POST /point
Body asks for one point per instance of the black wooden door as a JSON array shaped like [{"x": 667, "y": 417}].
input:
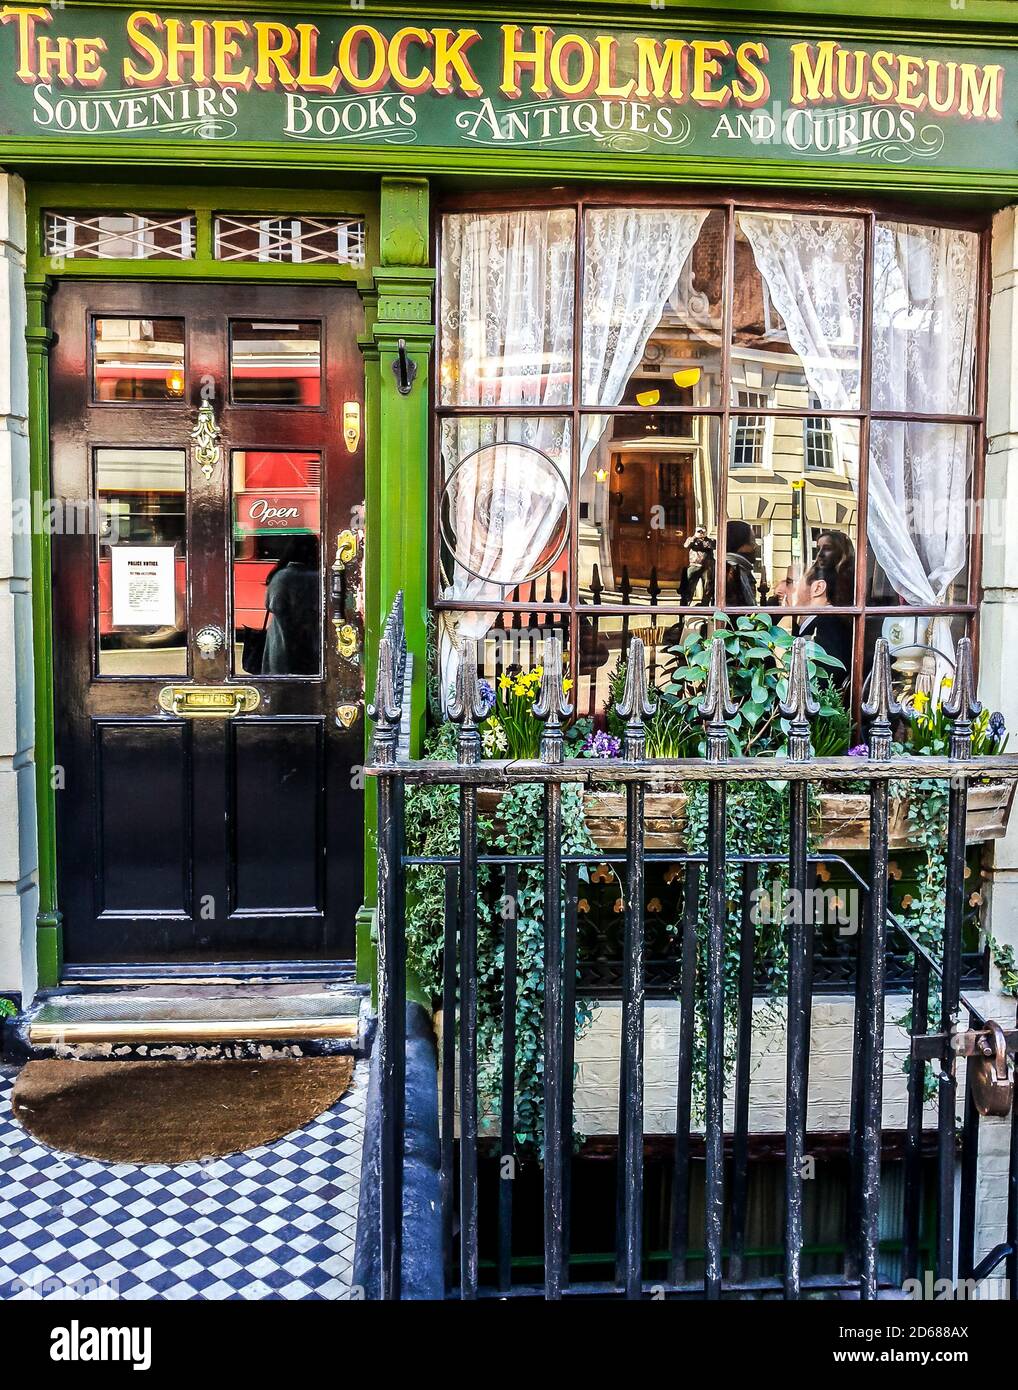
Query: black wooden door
[{"x": 206, "y": 458}]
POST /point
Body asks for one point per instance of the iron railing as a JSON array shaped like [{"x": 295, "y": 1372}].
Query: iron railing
[{"x": 725, "y": 1184}]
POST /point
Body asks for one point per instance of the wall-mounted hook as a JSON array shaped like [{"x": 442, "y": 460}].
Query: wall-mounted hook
[{"x": 404, "y": 369}]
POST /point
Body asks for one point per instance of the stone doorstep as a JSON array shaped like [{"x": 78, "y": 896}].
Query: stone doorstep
[{"x": 198, "y": 1021}]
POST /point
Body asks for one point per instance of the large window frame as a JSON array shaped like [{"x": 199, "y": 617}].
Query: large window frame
[{"x": 568, "y": 611}]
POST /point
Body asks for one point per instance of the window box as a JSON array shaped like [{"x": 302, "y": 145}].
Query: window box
[{"x": 844, "y": 817}]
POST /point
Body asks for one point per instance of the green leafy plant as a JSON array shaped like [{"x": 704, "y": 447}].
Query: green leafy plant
[{"x": 758, "y": 651}]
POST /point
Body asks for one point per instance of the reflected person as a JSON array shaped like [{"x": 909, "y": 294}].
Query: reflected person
[{"x": 293, "y": 637}]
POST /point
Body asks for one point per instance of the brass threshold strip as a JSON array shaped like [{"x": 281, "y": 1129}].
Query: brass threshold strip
[{"x": 189, "y": 1031}]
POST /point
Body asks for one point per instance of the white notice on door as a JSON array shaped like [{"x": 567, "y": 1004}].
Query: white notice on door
[{"x": 143, "y": 586}]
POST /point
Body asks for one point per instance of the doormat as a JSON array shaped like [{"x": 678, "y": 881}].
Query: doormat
[{"x": 173, "y": 1112}]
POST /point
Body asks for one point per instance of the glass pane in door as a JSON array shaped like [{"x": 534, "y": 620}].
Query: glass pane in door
[
  {"x": 142, "y": 562},
  {"x": 277, "y": 563}
]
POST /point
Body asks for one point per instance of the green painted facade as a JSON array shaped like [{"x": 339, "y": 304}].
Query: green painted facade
[{"x": 394, "y": 188}]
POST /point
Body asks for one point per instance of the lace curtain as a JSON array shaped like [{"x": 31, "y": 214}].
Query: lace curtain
[
  {"x": 924, "y": 305},
  {"x": 813, "y": 269},
  {"x": 924, "y": 316},
  {"x": 507, "y": 336}
]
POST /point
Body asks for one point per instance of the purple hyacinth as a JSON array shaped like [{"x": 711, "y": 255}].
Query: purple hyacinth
[
  {"x": 601, "y": 745},
  {"x": 860, "y": 750},
  {"x": 997, "y": 726},
  {"x": 487, "y": 695}
]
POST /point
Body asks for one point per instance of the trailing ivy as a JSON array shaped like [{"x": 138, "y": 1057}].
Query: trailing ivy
[{"x": 432, "y": 828}]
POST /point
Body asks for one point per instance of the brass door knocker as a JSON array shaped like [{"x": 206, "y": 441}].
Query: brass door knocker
[{"x": 206, "y": 435}]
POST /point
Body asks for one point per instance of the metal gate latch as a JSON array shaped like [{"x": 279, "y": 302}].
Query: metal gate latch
[{"x": 990, "y": 1078}]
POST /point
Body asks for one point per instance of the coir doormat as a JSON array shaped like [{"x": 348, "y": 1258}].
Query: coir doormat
[{"x": 173, "y": 1112}]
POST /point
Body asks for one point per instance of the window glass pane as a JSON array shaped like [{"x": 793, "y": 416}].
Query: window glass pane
[
  {"x": 793, "y": 488},
  {"x": 652, "y": 309},
  {"x": 142, "y": 580},
  {"x": 504, "y": 508},
  {"x": 276, "y": 363},
  {"x": 924, "y": 318},
  {"x": 291, "y": 240},
  {"x": 126, "y": 236},
  {"x": 603, "y": 643},
  {"x": 277, "y": 569},
  {"x": 918, "y": 512},
  {"x": 138, "y": 360},
  {"x": 648, "y": 509},
  {"x": 797, "y": 311},
  {"x": 508, "y": 286},
  {"x": 507, "y": 644},
  {"x": 922, "y": 646}
]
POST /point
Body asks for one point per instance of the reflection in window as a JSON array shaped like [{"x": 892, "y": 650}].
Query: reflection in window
[
  {"x": 790, "y": 513},
  {"x": 648, "y": 511},
  {"x": 749, "y": 432},
  {"x": 277, "y": 587},
  {"x": 142, "y": 558},
  {"x": 818, "y": 440},
  {"x": 276, "y": 363},
  {"x": 138, "y": 360}
]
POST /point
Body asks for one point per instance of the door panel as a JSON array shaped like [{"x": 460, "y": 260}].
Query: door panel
[
  {"x": 144, "y": 843},
  {"x": 277, "y": 762},
  {"x": 219, "y": 837}
]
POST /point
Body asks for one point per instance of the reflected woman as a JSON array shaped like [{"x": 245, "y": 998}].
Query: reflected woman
[{"x": 293, "y": 637}]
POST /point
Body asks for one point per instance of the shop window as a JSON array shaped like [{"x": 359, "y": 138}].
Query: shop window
[
  {"x": 680, "y": 426},
  {"x": 138, "y": 360},
  {"x": 115, "y": 236},
  {"x": 290, "y": 240},
  {"x": 275, "y": 363}
]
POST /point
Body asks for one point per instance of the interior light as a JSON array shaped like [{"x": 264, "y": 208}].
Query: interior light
[
  {"x": 689, "y": 377},
  {"x": 601, "y": 474},
  {"x": 648, "y": 397},
  {"x": 175, "y": 383}
]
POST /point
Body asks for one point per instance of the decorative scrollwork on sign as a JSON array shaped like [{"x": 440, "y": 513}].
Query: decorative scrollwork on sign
[{"x": 206, "y": 434}]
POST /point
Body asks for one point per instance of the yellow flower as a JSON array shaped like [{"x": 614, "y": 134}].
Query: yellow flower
[
  {"x": 920, "y": 700},
  {"x": 519, "y": 688},
  {"x": 567, "y": 684},
  {"x": 504, "y": 682}
]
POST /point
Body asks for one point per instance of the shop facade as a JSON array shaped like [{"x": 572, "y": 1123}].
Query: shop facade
[{"x": 595, "y": 324}]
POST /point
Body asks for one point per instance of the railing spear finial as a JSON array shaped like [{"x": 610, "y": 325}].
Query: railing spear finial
[
  {"x": 636, "y": 704},
  {"x": 551, "y": 704},
  {"x": 800, "y": 706},
  {"x": 961, "y": 706},
  {"x": 717, "y": 705},
  {"x": 467, "y": 705},
  {"x": 881, "y": 707},
  {"x": 387, "y": 709}
]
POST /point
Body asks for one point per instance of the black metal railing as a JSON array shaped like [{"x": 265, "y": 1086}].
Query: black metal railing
[{"x": 725, "y": 1151}]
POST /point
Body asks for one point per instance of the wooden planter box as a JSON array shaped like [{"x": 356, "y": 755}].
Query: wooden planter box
[{"x": 845, "y": 817}]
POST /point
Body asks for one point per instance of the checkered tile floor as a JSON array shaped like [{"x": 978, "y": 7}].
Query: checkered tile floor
[{"x": 276, "y": 1222}]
